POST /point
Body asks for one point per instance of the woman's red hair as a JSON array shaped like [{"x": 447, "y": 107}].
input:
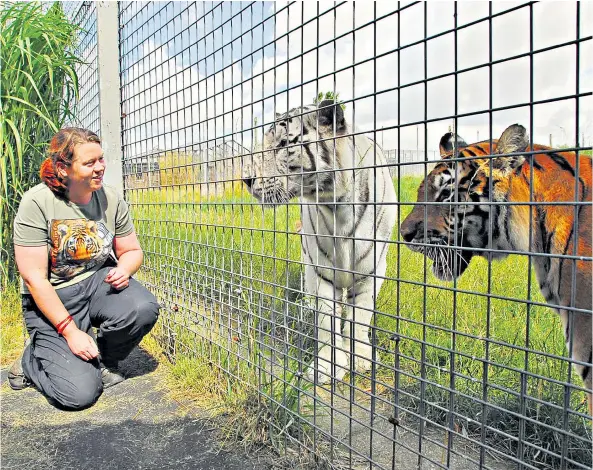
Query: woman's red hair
[{"x": 61, "y": 149}]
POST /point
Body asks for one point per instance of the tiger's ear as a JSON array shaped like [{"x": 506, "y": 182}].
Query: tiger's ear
[
  {"x": 449, "y": 141},
  {"x": 326, "y": 111},
  {"x": 513, "y": 140},
  {"x": 91, "y": 226}
]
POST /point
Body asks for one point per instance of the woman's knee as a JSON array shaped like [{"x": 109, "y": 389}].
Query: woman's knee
[
  {"x": 147, "y": 314},
  {"x": 77, "y": 393}
]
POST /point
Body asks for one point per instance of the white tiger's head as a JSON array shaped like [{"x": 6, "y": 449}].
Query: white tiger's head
[{"x": 298, "y": 154}]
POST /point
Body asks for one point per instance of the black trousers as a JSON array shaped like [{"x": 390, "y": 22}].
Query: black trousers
[{"x": 123, "y": 318}]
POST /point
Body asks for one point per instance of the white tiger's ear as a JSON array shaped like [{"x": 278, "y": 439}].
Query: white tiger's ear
[
  {"x": 326, "y": 111},
  {"x": 513, "y": 140},
  {"x": 450, "y": 141}
]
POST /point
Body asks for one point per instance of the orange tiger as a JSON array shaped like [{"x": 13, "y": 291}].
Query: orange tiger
[{"x": 449, "y": 233}]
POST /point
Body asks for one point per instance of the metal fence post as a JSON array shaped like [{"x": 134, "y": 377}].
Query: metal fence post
[{"x": 109, "y": 90}]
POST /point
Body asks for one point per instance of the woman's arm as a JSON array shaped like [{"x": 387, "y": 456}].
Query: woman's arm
[
  {"x": 32, "y": 265},
  {"x": 129, "y": 259}
]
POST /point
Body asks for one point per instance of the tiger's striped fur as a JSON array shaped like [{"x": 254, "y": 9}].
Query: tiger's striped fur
[
  {"x": 309, "y": 153},
  {"x": 554, "y": 230}
]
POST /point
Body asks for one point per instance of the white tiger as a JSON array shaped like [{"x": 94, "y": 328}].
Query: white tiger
[{"x": 343, "y": 230}]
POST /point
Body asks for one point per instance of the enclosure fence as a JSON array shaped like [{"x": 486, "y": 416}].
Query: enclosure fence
[
  {"x": 472, "y": 371},
  {"x": 86, "y": 107}
]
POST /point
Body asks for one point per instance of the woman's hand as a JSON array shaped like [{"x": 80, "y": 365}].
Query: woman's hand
[
  {"x": 118, "y": 277},
  {"x": 81, "y": 344},
  {"x": 33, "y": 267}
]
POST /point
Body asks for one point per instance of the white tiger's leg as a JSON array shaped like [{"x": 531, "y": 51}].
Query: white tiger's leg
[
  {"x": 329, "y": 339},
  {"x": 362, "y": 296}
]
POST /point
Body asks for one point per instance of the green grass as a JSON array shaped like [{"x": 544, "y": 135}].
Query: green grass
[
  {"x": 224, "y": 263},
  {"x": 211, "y": 247},
  {"x": 12, "y": 334}
]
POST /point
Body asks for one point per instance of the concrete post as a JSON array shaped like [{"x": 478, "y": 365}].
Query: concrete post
[{"x": 109, "y": 90}]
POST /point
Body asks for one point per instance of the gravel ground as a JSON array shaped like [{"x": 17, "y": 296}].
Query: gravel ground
[{"x": 134, "y": 425}]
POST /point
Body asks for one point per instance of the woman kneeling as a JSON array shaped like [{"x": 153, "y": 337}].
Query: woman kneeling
[{"x": 76, "y": 250}]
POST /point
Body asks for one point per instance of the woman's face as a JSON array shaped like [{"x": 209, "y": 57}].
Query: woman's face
[{"x": 87, "y": 169}]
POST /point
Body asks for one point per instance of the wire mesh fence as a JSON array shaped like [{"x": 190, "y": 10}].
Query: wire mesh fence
[
  {"x": 86, "y": 107},
  {"x": 273, "y": 154}
]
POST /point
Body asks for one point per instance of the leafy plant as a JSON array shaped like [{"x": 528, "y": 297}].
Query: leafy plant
[
  {"x": 328, "y": 95},
  {"x": 38, "y": 81}
]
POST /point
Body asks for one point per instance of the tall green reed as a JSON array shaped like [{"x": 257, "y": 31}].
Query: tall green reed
[{"x": 38, "y": 84}]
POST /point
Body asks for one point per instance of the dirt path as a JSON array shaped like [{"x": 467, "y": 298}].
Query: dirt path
[{"x": 133, "y": 426}]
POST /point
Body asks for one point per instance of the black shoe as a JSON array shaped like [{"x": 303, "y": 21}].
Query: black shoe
[
  {"x": 111, "y": 377},
  {"x": 16, "y": 376}
]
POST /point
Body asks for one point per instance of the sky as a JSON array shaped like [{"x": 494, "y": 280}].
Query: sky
[{"x": 199, "y": 72}]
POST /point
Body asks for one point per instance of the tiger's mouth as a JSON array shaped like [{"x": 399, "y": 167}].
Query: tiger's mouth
[
  {"x": 447, "y": 263},
  {"x": 272, "y": 198}
]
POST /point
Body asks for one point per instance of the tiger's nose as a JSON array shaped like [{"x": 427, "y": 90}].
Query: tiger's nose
[{"x": 409, "y": 228}]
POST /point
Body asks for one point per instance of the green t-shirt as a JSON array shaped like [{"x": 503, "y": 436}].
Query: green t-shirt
[{"x": 79, "y": 236}]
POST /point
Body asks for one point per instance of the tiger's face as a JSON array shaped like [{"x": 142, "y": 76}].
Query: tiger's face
[
  {"x": 457, "y": 217},
  {"x": 295, "y": 160},
  {"x": 433, "y": 228},
  {"x": 77, "y": 241},
  {"x": 78, "y": 245}
]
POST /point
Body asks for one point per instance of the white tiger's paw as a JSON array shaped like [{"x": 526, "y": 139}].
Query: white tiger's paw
[
  {"x": 363, "y": 357},
  {"x": 324, "y": 366}
]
